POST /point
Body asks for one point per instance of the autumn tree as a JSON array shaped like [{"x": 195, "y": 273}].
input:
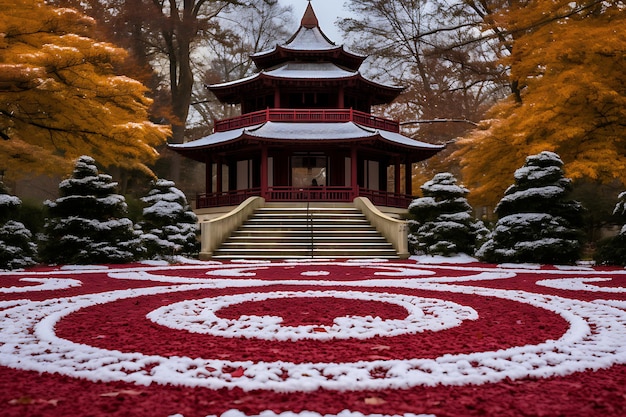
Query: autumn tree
[
  {"x": 246, "y": 30},
  {"x": 437, "y": 51},
  {"x": 60, "y": 98},
  {"x": 168, "y": 35},
  {"x": 434, "y": 49},
  {"x": 567, "y": 59}
]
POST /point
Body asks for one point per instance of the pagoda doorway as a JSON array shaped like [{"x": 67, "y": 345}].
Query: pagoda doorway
[{"x": 309, "y": 170}]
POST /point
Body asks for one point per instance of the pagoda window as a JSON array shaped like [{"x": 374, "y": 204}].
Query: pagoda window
[
  {"x": 309, "y": 100},
  {"x": 258, "y": 103},
  {"x": 309, "y": 169},
  {"x": 244, "y": 174},
  {"x": 357, "y": 103},
  {"x": 371, "y": 174}
]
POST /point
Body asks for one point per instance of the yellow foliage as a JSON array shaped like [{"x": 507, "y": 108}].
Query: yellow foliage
[
  {"x": 60, "y": 97},
  {"x": 571, "y": 70}
]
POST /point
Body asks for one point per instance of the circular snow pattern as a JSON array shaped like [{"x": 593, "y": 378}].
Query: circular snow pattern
[
  {"x": 580, "y": 284},
  {"x": 200, "y": 316},
  {"x": 595, "y": 339},
  {"x": 345, "y": 413},
  {"x": 315, "y": 273},
  {"x": 44, "y": 284}
]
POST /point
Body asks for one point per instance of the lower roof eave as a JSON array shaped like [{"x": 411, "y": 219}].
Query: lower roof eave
[{"x": 308, "y": 134}]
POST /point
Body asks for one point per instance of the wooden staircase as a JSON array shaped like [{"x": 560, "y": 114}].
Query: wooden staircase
[{"x": 301, "y": 231}]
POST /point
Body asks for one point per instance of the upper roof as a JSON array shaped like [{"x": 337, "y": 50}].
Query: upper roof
[
  {"x": 331, "y": 74},
  {"x": 307, "y": 43},
  {"x": 307, "y": 56}
]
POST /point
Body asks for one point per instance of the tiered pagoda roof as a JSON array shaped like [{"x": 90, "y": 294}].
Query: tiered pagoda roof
[
  {"x": 308, "y": 61},
  {"x": 309, "y": 42},
  {"x": 307, "y": 56}
]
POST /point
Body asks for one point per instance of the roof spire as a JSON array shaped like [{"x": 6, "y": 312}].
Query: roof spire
[{"x": 309, "y": 20}]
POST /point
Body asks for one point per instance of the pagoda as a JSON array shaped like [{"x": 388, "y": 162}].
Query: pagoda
[{"x": 306, "y": 131}]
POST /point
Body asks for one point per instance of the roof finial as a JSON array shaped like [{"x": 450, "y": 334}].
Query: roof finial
[{"x": 309, "y": 20}]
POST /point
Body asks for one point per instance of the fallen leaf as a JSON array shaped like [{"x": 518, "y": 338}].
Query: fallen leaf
[
  {"x": 28, "y": 401},
  {"x": 375, "y": 401},
  {"x": 238, "y": 373},
  {"x": 380, "y": 347},
  {"x": 378, "y": 358},
  {"x": 242, "y": 400},
  {"x": 319, "y": 330},
  {"x": 21, "y": 401},
  {"x": 129, "y": 392}
]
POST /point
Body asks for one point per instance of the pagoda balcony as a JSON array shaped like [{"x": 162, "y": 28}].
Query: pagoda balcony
[
  {"x": 298, "y": 194},
  {"x": 307, "y": 116}
]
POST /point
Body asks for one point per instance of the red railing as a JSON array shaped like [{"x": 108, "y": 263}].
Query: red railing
[
  {"x": 286, "y": 193},
  {"x": 386, "y": 199},
  {"x": 307, "y": 116},
  {"x": 322, "y": 193},
  {"x": 227, "y": 198}
]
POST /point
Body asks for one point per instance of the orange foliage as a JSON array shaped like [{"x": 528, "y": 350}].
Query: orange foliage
[
  {"x": 569, "y": 61},
  {"x": 60, "y": 98}
]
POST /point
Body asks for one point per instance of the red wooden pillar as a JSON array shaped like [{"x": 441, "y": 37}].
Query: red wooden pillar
[
  {"x": 276, "y": 98},
  {"x": 408, "y": 178},
  {"x": 341, "y": 100},
  {"x": 264, "y": 164},
  {"x": 354, "y": 172}
]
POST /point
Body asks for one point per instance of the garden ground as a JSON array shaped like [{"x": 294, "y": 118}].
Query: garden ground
[{"x": 422, "y": 337}]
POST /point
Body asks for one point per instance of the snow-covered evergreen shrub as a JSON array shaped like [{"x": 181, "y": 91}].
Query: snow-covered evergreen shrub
[
  {"x": 612, "y": 251},
  {"x": 169, "y": 225},
  {"x": 441, "y": 222},
  {"x": 17, "y": 249},
  {"x": 88, "y": 223},
  {"x": 536, "y": 222}
]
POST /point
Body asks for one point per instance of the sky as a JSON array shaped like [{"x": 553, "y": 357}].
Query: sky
[{"x": 327, "y": 12}]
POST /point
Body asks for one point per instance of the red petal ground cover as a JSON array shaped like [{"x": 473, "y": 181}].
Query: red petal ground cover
[{"x": 122, "y": 325}]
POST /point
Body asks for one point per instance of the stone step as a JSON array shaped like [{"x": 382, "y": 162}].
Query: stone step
[
  {"x": 295, "y": 232},
  {"x": 304, "y": 253},
  {"x": 298, "y": 237},
  {"x": 316, "y": 245}
]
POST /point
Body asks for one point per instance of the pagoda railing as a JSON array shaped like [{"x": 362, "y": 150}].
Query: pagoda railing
[
  {"x": 386, "y": 199},
  {"x": 307, "y": 116},
  {"x": 322, "y": 193},
  {"x": 226, "y": 198},
  {"x": 296, "y": 194}
]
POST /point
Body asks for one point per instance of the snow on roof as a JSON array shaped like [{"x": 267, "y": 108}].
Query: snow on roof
[
  {"x": 403, "y": 140},
  {"x": 305, "y": 131},
  {"x": 310, "y": 131},
  {"x": 234, "y": 82},
  {"x": 307, "y": 39},
  {"x": 213, "y": 139},
  {"x": 297, "y": 70},
  {"x": 310, "y": 70}
]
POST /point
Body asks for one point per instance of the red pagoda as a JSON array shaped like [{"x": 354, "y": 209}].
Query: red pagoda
[
  {"x": 306, "y": 132},
  {"x": 306, "y": 119}
]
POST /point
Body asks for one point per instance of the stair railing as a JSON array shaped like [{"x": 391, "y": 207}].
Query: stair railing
[{"x": 309, "y": 219}]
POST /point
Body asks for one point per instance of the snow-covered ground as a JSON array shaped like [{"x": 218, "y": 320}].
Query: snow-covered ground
[{"x": 443, "y": 299}]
